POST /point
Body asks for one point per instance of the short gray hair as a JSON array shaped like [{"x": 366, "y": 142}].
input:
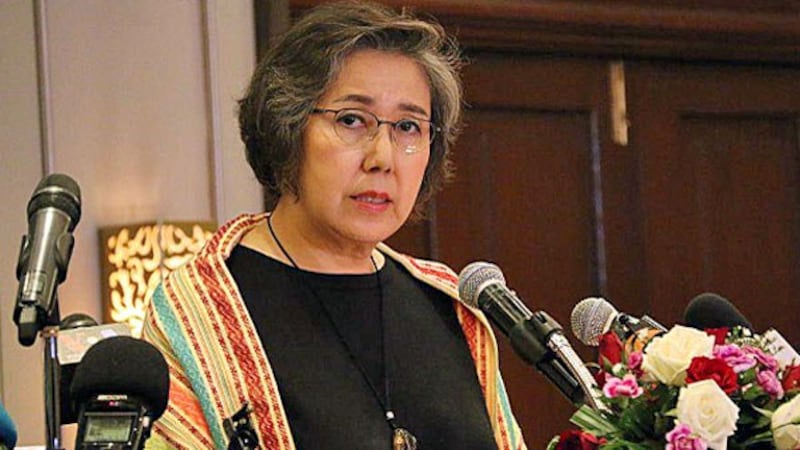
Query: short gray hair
[{"x": 301, "y": 64}]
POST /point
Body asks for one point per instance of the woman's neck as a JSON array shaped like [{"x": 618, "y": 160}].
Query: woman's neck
[{"x": 308, "y": 250}]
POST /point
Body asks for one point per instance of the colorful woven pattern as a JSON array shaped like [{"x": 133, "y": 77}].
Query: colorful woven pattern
[{"x": 198, "y": 319}]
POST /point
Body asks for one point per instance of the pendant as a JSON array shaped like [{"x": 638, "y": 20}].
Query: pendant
[{"x": 403, "y": 440}]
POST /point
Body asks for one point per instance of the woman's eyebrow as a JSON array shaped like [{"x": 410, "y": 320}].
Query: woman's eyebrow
[{"x": 369, "y": 101}]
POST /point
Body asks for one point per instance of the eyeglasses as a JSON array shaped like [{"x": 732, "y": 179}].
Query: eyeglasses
[{"x": 354, "y": 125}]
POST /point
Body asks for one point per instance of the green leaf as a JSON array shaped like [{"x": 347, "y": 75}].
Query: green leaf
[
  {"x": 747, "y": 377},
  {"x": 754, "y": 393},
  {"x": 637, "y": 422},
  {"x": 759, "y": 438},
  {"x": 764, "y": 412},
  {"x": 593, "y": 421},
  {"x": 763, "y": 422},
  {"x": 663, "y": 424},
  {"x": 622, "y": 444}
]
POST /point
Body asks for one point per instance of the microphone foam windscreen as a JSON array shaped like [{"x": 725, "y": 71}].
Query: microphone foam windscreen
[
  {"x": 473, "y": 276},
  {"x": 709, "y": 310},
  {"x": 123, "y": 365},
  {"x": 57, "y": 191},
  {"x": 590, "y": 319},
  {"x": 8, "y": 432}
]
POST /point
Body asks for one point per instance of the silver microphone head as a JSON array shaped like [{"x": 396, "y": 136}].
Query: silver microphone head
[
  {"x": 472, "y": 279},
  {"x": 57, "y": 191},
  {"x": 591, "y": 318}
]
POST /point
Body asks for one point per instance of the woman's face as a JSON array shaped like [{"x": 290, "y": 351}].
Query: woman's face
[{"x": 364, "y": 192}]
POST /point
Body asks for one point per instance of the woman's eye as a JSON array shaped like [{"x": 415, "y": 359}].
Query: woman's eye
[
  {"x": 351, "y": 120},
  {"x": 408, "y": 126}
]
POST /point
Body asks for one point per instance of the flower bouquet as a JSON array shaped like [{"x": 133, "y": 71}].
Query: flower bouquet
[{"x": 690, "y": 389}]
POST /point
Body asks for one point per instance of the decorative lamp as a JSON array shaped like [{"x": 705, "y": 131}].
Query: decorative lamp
[{"x": 134, "y": 259}]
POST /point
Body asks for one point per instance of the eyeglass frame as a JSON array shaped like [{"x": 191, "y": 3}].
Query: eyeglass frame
[{"x": 434, "y": 129}]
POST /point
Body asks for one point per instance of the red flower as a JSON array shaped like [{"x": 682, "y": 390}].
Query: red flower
[
  {"x": 719, "y": 334},
  {"x": 703, "y": 368},
  {"x": 610, "y": 348},
  {"x": 578, "y": 440},
  {"x": 791, "y": 378},
  {"x": 600, "y": 376}
]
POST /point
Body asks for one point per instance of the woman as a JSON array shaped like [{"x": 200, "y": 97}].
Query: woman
[{"x": 301, "y": 321}]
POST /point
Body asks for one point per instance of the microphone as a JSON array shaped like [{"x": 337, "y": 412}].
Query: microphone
[
  {"x": 71, "y": 322},
  {"x": 709, "y": 310},
  {"x": 120, "y": 388},
  {"x": 536, "y": 337},
  {"x": 593, "y": 317},
  {"x": 77, "y": 320},
  {"x": 53, "y": 212},
  {"x": 8, "y": 432}
]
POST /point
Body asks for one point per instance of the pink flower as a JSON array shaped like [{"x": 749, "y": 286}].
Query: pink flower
[
  {"x": 770, "y": 383},
  {"x": 625, "y": 387},
  {"x": 635, "y": 363},
  {"x": 768, "y": 361},
  {"x": 735, "y": 357},
  {"x": 680, "y": 438}
]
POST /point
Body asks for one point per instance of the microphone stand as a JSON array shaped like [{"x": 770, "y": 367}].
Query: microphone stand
[
  {"x": 30, "y": 322},
  {"x": 543, "y": 325},
  {"x": 43, "y": 316},
  {"x": 52, "y": 383}
]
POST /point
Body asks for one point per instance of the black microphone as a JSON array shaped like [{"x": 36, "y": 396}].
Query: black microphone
[
  {"x": 536, "y": 337},
  {"x": 709, "y": 310},
  {"x": 120, "y": 387},
  {"x": 70, "y": 322},
  {"x": 53, "y": 212},
  {"x": 592, "y": 317},
  {"x": 76, "y": 320}
]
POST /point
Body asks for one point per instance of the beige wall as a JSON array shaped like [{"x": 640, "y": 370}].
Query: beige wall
[{"x": 141, "y": 114}]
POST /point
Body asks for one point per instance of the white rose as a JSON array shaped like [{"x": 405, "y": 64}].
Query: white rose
[
  {"x": 668, "y": 356},
  {"x": 784, "y": 433},
  {"x": 710, "y": 413}
]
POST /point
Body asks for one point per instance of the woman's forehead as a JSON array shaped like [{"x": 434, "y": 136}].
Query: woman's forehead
[{"x": 380, "y": 79}]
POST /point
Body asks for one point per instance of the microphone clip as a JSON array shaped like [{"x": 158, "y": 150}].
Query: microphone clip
[{"x": 240, "y": 431}]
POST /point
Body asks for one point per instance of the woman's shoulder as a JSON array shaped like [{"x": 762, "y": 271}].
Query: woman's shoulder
[
  {"x": 433, "y": 272},
  {"x": 231, "y": 233},
  {"x": 217, "y": 248}
]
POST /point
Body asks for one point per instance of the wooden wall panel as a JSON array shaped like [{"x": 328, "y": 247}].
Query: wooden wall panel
[
  {"x": 747, "y": 203},
  {"x": 526, "y": 197},
  {"x": 523, "y": 200},
  {"x": 742, "y": 30},
  {"x": 525, "y": 188},
  {"x": 720, "y": 165}
]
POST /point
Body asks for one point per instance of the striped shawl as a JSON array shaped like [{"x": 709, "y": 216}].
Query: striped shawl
[{"x": 198, "y": 320}]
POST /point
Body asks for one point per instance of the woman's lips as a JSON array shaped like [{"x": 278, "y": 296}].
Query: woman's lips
[{"x": 372, "y": 200}]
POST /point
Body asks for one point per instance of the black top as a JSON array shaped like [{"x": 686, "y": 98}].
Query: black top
[{"x": 434, "y": 389}]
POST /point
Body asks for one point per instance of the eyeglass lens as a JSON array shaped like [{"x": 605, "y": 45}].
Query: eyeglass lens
[{"x": 354, "y": 125}]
